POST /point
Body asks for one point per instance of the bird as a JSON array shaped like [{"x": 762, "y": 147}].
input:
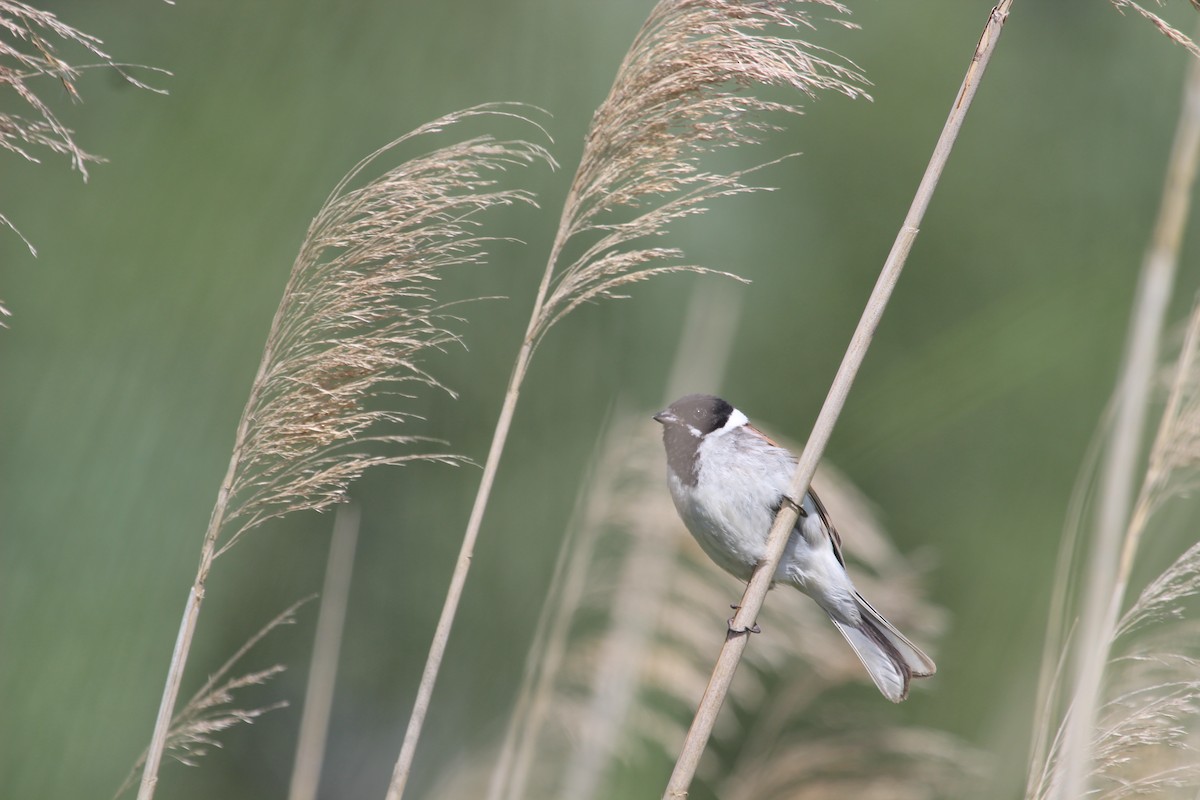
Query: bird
[{"x": 728, "y": 481}]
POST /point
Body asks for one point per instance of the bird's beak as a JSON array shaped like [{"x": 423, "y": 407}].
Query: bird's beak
[{"x": 664, "y": 417}]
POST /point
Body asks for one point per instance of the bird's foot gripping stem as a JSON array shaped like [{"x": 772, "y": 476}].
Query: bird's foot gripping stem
[{"x": 729, "y": 622}]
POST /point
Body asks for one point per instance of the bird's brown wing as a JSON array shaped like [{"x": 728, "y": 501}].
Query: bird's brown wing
[{"x": 834, "y": 537}]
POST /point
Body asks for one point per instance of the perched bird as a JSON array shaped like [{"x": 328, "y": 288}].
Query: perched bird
[{"x": 728, "y": 481}]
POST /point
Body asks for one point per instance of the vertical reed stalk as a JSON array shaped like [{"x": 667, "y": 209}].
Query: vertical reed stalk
[
  {"x": 642, "y": 588},
  {"x": 327, "y": 645},
  {"x": 756, "y": 590},
  {"x": 441, "y": 634},
  {"x": 700, "y": 360},
  {"x": 1116, "y": 539},
  {"x": 195, "y": 598}
]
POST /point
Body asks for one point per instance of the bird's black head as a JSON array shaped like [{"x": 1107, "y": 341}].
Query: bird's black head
[
  {"x": 685, "y": 424},
  {"x": 702, "y": 413}
]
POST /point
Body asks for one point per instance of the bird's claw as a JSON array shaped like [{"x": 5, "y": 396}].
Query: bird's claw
[
  {"x": 729, "y": 623},
  {"x": 752, "y": 629}
]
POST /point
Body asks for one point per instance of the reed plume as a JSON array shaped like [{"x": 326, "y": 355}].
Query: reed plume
[
  {"x": 357, "y": 315},
  {"x": 671, "y": 103},
  {"x": 210, "y": 710},
  {"x": 682, "y": 91},
  {"x": 1166, "y": 29},
  {"x": 29, "y": 40},
  {"x": 1145, "y": 740},
  {"x": 28, "y": 51}
]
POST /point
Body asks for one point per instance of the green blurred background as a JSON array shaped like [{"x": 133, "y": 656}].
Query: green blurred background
[{"x": 137, "y": 330}]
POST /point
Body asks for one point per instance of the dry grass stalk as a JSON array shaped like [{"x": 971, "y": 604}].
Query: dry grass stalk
[
  {"x": 631, "y": 472},
  {"x": 1117, "y": 533},
  {"x": 327, "y": 645},
  {"x": 357, "y": 315},
  {"x": 515, "y": 758},
  {"x": 703, "y": 353},
  {"x": 1054, "y": 641},
  {"x": 752, "y": 601},
  {"x": 193, "y": 730},
  {"x": 680, "y": 93}
]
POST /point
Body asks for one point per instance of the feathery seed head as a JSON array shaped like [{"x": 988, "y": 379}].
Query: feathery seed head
[
  {"x": 1174, "y": 34},
  {"x": 210, "y": 710},
  {"x": 683, "y": 90},
  {"x": 357, "y": 316},
  {"x": 28, "y": 38}
]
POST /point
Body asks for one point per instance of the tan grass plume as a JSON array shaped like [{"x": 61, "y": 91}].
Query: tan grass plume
[
  {"x": 357, "y": 316},
  {"x": 1166, "y": 29},
  {"x": 29, "y": 41},
  {"x": 193, "y": 731},
  {"x": 681, "y": 92}
]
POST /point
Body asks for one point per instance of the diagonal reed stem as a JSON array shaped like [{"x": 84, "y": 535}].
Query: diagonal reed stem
[
  {"x": 756, "y": 590},
  {"x": 647, "y": 571},
  {"x": 441, "y": 634},
  {"x": 191, "y": 610},
  {"x": 700, "y": 360}
]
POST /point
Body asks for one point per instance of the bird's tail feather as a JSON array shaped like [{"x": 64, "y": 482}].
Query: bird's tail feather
[{"x": 890, "y": 658}]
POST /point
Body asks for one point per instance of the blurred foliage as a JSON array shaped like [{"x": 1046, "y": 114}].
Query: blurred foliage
[{"x": 137, "y": 330}]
